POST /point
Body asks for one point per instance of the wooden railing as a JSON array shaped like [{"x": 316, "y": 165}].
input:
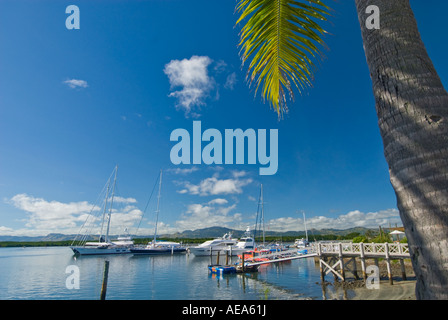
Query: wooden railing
[{"x": 387, "y": 250}]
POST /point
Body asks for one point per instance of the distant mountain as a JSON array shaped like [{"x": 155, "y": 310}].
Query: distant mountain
[
  {"x": 48, "y": 237},
  {"x": 211, "y": 232}
]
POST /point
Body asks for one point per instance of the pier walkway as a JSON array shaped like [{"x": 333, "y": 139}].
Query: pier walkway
[{"x": 279, "y": 256}]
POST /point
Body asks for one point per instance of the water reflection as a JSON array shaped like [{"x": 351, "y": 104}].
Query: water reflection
[{"x": 40, "y": 273}]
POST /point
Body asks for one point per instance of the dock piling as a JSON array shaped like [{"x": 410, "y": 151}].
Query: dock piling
[
  {"x": 105, "y": 276},
  {"x": 403, "y": 270},
  {"x": 389, "y": 269}
]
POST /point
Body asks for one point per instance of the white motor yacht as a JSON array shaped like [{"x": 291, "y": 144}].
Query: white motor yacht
[
  {"x": 301, "y": 243},
  {"x": 212, "y": 247},
  {"x": 246, "y": 243}
]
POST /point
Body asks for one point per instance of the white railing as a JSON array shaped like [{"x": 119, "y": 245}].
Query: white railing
[{"x": 363, "y": 249}]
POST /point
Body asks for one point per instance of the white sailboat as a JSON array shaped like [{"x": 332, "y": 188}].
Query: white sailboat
[
  {"x": 155, "y": 246},
  {"x": 302, "y": 243},
  {"x": 104, "y": 245}
]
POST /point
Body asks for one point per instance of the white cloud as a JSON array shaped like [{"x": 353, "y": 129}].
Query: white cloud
[
  {"x": 215, "y": 186},
  {"x": 6, "y": 231},
  {"x": 200, "y": 216},
  {"x": 238, "y": 174},
  {"x": 183, "y": 171},
  {"x": 220, "y": 66},
  {"x": 230, "y": 81},
  {"x": 118, "y": 199},
  {"x": 57, "y": 217},
  {"x": 50, "y": 215},
  {"x": 351, "y": 219},
  {"x": 162, "y": 228},
  {"x": 75, "y": 83},
  {"x": 218, "y": 201},
  {"x": 191, "y": 75}
]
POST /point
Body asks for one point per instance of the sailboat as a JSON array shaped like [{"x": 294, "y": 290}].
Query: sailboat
[
  {"x": 104, "y": 245},
  {"x": 158, "y": 247},
  {"x": 302, "y": 243},
  {"x": 261, "y": 248}
]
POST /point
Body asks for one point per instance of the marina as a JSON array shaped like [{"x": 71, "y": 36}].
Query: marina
[
  {"x": 43, "y": 272},
  {"x": 40, "y": 273}
]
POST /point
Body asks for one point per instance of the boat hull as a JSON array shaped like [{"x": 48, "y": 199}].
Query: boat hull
[
  {"x": 200, "y": 252},
  {"x": 155, "y": 251},
  {"x": 99, "y": 251},
  {"x": 218, "y": 269}
]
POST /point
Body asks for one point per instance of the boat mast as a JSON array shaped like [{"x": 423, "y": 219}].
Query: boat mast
[
  {"x": 105, "y": 209},
  {"x": 157, "y": 211},
  {"x": 262, "y": 212},
  {"x": 304, "y": 221},
  {"x": 111, "y": 203}
]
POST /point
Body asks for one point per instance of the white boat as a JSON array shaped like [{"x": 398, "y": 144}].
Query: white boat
[
  {"x": 158, "y": 247},
  {"x": 104, "y": 245},
  {"x": 302, "y": 243},
  {"x": 244, "y": 244},
  {"x": 212, "y": 247},
  {"x": 97, "y": 248}
]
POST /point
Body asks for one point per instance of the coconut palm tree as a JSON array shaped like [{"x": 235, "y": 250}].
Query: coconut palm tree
[{"x": 281, "y": 38}]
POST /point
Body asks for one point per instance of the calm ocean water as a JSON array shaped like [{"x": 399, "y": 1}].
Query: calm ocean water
[{"x": 40, "y": 273}]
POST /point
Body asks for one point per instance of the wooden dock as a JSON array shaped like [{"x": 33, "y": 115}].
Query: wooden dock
[
  {"x": 337, "y": 257},
  {"x": 333, "y": 257}
]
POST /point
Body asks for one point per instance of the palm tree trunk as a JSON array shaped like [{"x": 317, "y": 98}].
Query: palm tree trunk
[{"x": 412, "y": 109}]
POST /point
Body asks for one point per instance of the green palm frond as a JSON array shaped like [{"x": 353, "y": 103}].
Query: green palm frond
[{"x": 281, "y": 38}]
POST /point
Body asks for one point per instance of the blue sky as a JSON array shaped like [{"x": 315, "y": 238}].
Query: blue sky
[{"x": 75, "y": 103}]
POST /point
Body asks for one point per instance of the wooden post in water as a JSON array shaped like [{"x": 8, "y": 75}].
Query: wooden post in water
[
  {"x": 389, "y": 269},
  {"x": 242, "y": 262},
  {"x": 403, "y": 269},
  {"x": 363, "y": 262},
  {"x": 341, "y": 262},
  {"x": 321, "y": 265},
  {"x": 227, "y": 257},
  {"x": 321, "y": 268},
  {"x": 217, "y": 258},
  {"x": 105, "y": 276}
]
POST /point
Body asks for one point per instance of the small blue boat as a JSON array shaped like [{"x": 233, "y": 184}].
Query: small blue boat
[{"x": 219, "y": 269}]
